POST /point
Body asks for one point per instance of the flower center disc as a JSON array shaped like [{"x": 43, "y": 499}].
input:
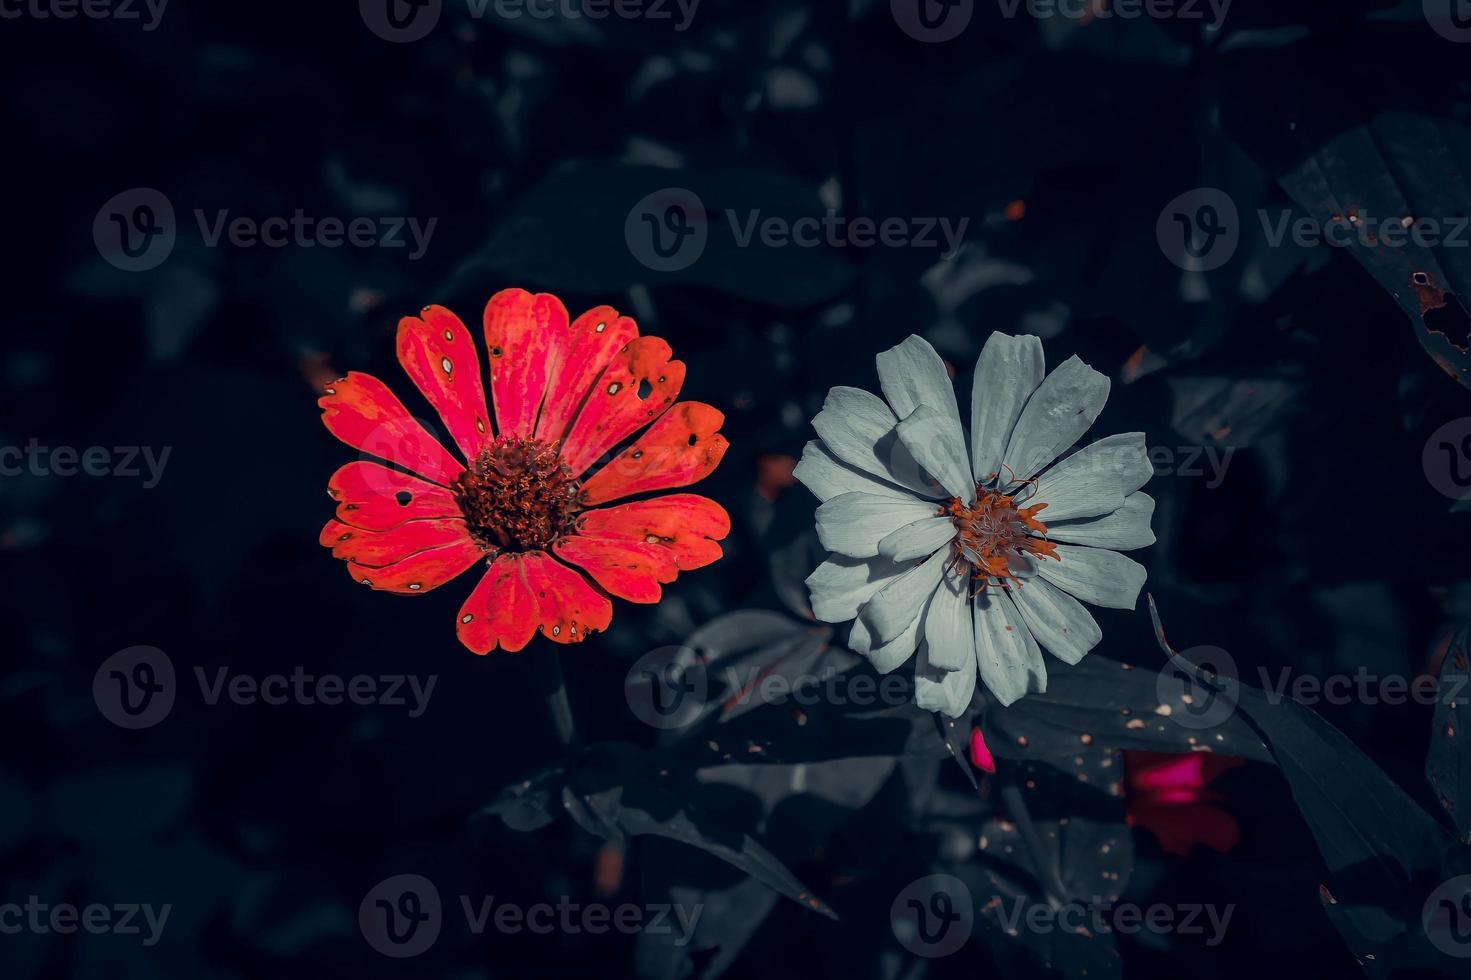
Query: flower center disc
[
  {"x": 995, "y": 537},
  {"x": 517, "y": 496}
]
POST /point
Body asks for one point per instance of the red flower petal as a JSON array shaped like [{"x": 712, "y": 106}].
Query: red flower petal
[
  {"x": 376, "y": 498},
  {"x": 684, "y": 523},
  {"x": 525, "y": 335},
  {"x": 684, "y": 446},
  {"x": 436, "y": 350},
  {"x": 361, "y": 411},
  {"x": 635, "y": 388},
  {"x": 628, "y": 569},
  {"x": 376, "y": 549},
  {"x": 501, "y": 612},
  {"x": 421, "y": 572},
  {"x": 593, "y": 340},
  {"x": 568, "y": 608}
]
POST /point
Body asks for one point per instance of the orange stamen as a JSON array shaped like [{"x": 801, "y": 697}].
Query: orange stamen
[{"x": 995, "y": 537}]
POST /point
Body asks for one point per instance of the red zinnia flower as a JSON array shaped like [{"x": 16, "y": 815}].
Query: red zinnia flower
[
  {"x": 565, "y": 394},
  {"x": 1170, "y": 795}
]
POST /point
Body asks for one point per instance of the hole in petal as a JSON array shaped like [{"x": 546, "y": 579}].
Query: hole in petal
[
  {"x": 403, "y": 497},
  {"x": 644, "y": 388}
]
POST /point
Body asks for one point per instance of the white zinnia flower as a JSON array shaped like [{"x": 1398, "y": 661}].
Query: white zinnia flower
[{"x": 974, "y": 549}]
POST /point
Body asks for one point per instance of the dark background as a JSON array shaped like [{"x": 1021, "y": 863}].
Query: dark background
[{"x": 1325, "y": 546}]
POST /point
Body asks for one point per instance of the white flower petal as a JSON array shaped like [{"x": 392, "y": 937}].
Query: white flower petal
[
  {"x": 858, "y": 428},
  {"x": 948, "y": 632},
  {"x": 841, "y": 585},
  {"x": 1095, "y": 575},
  {"x": 1094, "y": 480},
  {"x": 887, "y": 656},
  {"x": 1008, "y": 371},
  {"x": 827, "y": 476},
  {"x": 1057, "y": 414},
  {"x": 913, "y": 374},
  {"x": 897, "y": 604},
  {"x": 852, "y": 524},
  {"x": 1124, "y": 530},
  {"x": 946, "y": 691},
  {"x": 1008, "y": 658},
  {"x": 918, "y": 540},
  {"x": 937, "y": 443},
  {"x": 1057, "y": 620}
]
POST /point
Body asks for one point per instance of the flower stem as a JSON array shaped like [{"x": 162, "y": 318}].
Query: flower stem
[{"x": 548, "y": 669}]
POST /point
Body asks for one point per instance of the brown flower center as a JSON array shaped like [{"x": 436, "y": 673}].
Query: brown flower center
[
  {"x": 996, "y": 538},
  {"x": 517, "y": 495}
]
